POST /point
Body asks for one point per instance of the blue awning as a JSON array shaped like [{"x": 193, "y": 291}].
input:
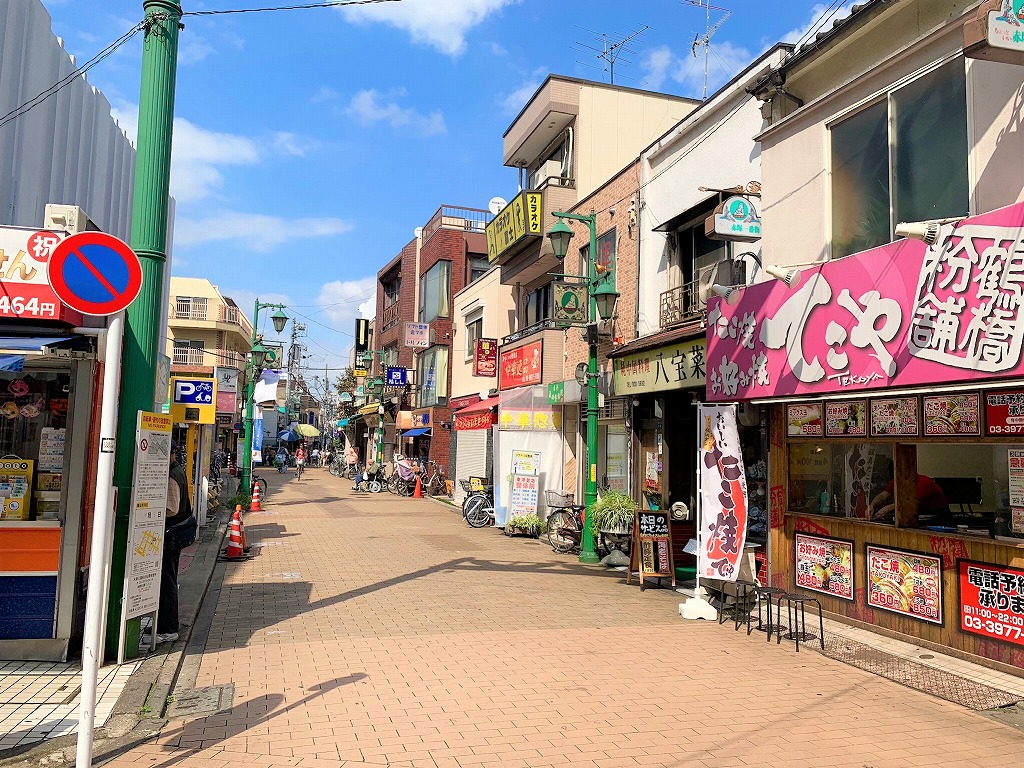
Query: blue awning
[{"x": 417, "y": 432}]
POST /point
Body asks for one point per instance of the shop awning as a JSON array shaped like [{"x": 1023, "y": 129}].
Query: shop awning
[
  {"x": 14, "y": 349},
  {"x": 366, "y": 410},
  {"x": 481, "y": 407},
  {"x": 417, "y": 432}
]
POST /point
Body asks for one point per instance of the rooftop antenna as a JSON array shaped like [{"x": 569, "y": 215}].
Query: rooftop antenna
[
  {"x": 611, "y": 49},
  {"x": 705, "y": 39}
]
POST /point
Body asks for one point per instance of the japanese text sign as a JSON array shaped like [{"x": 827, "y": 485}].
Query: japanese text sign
[
  {"x": 25, "y": 290},
  {"x": 397, "y": 377},
  {"x": 518, "y": 221},
  {"x": 992, "y": 601},
  {"x": 193, "y": 400},
  {"x": 846, "y": 418},
  {"x": 803, "y": 420},
  {"x": 652, "y": 545},
  {"x": 1004, "y": 413},
  {"x": 678, "y": 366},
  {"x": 485, "y": 357},
  {"x": 477, "y": 420},
  {"x": 952, "y": 415},
  {"x": 824, "y": 565},
  {"x": 898, "y": 315},
  {"x": 1006, "y": 26},
  {"x": 908, "y": 583},
  {"x": 522, "y": 366},
  {"x": 723, "y": 485},
  {"x": 894, "y": 416},
  {"x": 525, "y": 495},
  {"x": 417, "y": 335}
]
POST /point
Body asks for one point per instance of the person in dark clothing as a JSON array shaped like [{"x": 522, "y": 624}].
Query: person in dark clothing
[{"x": 179, "y": 510}]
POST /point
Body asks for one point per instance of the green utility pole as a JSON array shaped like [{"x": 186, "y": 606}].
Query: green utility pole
[{"x": 149, "y": 240}]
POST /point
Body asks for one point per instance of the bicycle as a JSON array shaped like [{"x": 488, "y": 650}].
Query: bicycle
[
  {"x": 565, "y": 522},
  {"x": 478, "y": 506},
  {"x": 434, "y": 483}
]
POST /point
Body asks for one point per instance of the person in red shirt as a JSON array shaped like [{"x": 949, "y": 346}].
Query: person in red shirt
[{"x": 931, "y": 501}]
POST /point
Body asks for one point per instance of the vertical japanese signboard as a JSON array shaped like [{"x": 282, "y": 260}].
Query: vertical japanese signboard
[
  {"x": 148, "y": 507},
  {"x": 485, "y": 357},
  {"x": 723, "y": 490},
  {"x": 824, "y": 565},
  {"x": 525, "y": 495},
  {"x": 992, "y": 601},
  {"x": 517, "y": 222},
  {"x": 651, "y": 551},
  {"x": 908, "y": 583}
]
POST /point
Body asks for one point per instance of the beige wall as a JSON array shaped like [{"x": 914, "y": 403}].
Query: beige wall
[{"x": 495, "y": 302}]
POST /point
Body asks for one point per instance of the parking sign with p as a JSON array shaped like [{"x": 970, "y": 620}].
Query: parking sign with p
[{"x": 193, "y": 400}]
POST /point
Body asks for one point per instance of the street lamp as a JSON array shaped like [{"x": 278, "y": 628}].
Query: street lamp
[
  {"x": 602, "y": 305},
  {"x": 377, "y": 388},
  {"x": 257, "y": 360}
]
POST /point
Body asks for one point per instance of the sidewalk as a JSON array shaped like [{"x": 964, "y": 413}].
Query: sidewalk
[{"x": 371, "y": 630}]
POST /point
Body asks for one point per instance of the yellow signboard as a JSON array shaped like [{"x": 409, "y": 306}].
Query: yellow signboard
[
  {"x": 677, "y": 366},
  {"x": 519, "y": 220},
  {"x": 193, "y": 400}
]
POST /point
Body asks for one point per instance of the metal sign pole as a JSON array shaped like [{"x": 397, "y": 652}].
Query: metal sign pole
[{"x": 697, "y": 607}]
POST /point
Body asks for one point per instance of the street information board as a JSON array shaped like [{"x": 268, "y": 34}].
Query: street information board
[{"x": 651, "y": 551}]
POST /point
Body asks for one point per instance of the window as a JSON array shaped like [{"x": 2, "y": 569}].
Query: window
[
  {"x": 391, "y": 291},
  {"x": 474, "y": 331},
  {"x": 537, "y": 307},
  {"x": 478, "y": 267},
  {"x": 901, "y": 159},
  {"x": 190, "y": 308},
  {"x": 435, "y": 292},
  {"x": 391, "y": 356},
  {"x": 188, "y": 352},
  {"x": 432, "y": 368}
]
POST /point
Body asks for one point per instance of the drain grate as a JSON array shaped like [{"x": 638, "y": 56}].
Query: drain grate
[
  {"x": 201, "y": 701},
  {"x": 936, "y": 682}
]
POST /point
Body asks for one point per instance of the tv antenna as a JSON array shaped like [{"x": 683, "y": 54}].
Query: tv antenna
[
  {"x": 709, "y": 30},
  {"x": 611, "y": 49}
]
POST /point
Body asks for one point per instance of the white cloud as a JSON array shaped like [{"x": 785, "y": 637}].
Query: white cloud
[
  {"x": 656, "y": 62},
  {"x": 255, "y": 231},
  {"x": 725, "y": 61},
  {"x": 293, "y": 145},
  {"x": 342, "y": 301},
  {"x": 516, "y": 100},
  {"x": 371, "y": 107},
  {"x": 817, "y": 11},
  {"x": 192, "y": 50},
  {"x": 324, "y": 93},
  {"x": 368, "y": 308},
  {"x": 442, "y": 26}
]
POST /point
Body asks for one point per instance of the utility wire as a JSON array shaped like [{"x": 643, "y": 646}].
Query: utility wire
[
  {"x": 303, "y": 7},
  {"x": 827, "y": 14}
]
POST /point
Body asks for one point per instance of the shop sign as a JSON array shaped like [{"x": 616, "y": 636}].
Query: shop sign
[
  {"x": 193, "y": 400},
  {"x": 556, "y": 392},
  {"x": 952, "y": 414},
  {"x": 525, "y": 462},
  {"x": 417, "y": 335},
  {"x": 25, "y": 291},
  {"x": 15, "y": 488},
  {"x": 478, "y": 420},
  {"x": 651, "y": 550},
  {"x": 362, "y": 337},
  {"x": 677, "y": 366},
  {"x": 397, "y": 377},
  {"x": 518, "y": 222},
  {"x": 901, "y": 315},
  {"x": 227, "y": 380},
  {"x": 227, "y": 403},
  {"x": 803, "y": 420},
  {"x": 1004, "y": 413},
  {"x": 908, "y": 583},
  {"x": 458, "y": 403},
  {"x": 824, "y": 565},
  {"x": 1015, "y": 459},
  {"x": 517, "y": 420},
  {"x": 1006, "y": 27},
  {"x": 846, "y": 418},
  {"x": 572, "y": 302},
  {"x": 525, "y": 495},
  {"x": 735, "y": 219},
  {"x": 894, "y": 417},
  {"x": 485, "y": 357},
  {"x": 522, "y": 366},
  {"x": 992, "y": 601},
  {"x": 224, "y": 419},
  {"x": 421, "y": 418},
  {"x": 723, "y": 486}
]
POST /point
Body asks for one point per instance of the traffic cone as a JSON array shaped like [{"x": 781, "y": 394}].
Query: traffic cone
[
  {"x": 256, "y": 499},
  {"x": 241, "y": 526},
  {"x": 235, "y": 550},
  {"x": 418, "y": 493}
]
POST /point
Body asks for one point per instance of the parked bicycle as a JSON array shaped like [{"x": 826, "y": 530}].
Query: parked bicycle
[
  {"x": 478, "y": 506},
  {"x": 565, "y": 521},
  {"x": 433, "y": 482},
  {"x": 403, "y": 480},
  {"x": 371, "y": 480},
  {"x": 262, "y": 484}
]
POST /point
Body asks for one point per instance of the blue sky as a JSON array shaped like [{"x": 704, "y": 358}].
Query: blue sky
[{"x": 310, "y": 144}]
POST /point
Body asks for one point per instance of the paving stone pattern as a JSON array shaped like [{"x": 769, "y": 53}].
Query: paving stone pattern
[{"x": 408, "y": 639}]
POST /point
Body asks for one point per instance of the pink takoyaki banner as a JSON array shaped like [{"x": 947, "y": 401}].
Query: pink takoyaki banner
[
  {"x": 723, "y": 484},
  {"x": 898, "y": 315}
]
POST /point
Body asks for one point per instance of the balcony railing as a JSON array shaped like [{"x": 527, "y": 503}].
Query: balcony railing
[
  {"x": 229, "y": 314},
  {"x": 543, "y": 325},
  {"x": 465, "y": 219},
  {"x": 191, "y": 356},
  {"x": 389, "y": 318},
  {"x": 209, "y": 358},
  {"x": 190, "y": 308},
  {"x": 678, "y": 305}
]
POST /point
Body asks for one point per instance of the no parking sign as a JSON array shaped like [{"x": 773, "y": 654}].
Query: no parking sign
[{"x": 95, "y": 273}]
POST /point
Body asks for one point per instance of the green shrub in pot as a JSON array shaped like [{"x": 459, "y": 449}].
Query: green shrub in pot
[{"x": 614, "y": 511}]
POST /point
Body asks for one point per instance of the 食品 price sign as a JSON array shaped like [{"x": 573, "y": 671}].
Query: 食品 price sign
[
  {"x": 909, "y": 583},
  {"x": 651, "y": 553},
  {"x": 992, "y": 601},
  {"x": 824, "y": 565}
]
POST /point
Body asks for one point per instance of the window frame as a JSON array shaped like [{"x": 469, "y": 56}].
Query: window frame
[
  {"x": 473, "y": 320},
  {"x": 443, "y": 308}
]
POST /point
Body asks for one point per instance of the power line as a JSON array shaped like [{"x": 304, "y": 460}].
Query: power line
[
  {"x": 828, "y": 13},
  {"x": 303, "y": 7}
]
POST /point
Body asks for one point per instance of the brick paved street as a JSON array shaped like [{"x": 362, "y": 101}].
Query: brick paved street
[{"x": 378, "y": 631}]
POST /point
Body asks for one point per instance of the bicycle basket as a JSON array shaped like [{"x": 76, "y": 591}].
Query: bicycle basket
[
  {"x": 466, "y": 488},
  {"x": 559, "y": 498}
]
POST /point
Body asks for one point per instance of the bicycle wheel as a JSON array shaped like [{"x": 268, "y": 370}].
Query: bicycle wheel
[
  {"x": 375, "y": 486},
  {"x": 477, "y": 515},
  {"x": 563, "y": 533},
  {"x": 262, "y": 484}
]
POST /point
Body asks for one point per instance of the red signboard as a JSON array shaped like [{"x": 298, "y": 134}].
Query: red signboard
[
  {"x": 1004, "y": 413},
  {"x": 478, "y": 420},
  {"x": 227, "y": 402},
  {"x": 485, "y": 357},
  {"x": 824, "y": 565},
  {"x": 992, "y": 601},
  {"x": 522, "y": 366},
  {"x": 25, "y": 291},
  {"x": 458, "y": 403},
  {"x": 908, "y": 583}
]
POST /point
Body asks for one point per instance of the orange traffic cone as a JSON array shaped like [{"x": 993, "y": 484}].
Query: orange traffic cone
[
  {"x": 418, "y": 493},
  {"x": 235, "y": 549},
  {"x": 241, "y": 526},
  {"x": 257, "y": 497}
]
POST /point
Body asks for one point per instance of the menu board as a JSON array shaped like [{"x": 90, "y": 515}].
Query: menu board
[
  {"x": 524, "y": 495},
  {"x": 846, "y": 418},
  {"x": 804, "y": 420},
  {"x": 1004, "y": 413},
  {"x": 15, "y": 488},
  {"x": 824, "y": 565},
  {"x": 651, "y": 552},
  {"x": 908, "y": 583},
  {"x": 992, "y": 601},
  {"x": 952, "y": 414},
  {"x": 894, "y": 417}
]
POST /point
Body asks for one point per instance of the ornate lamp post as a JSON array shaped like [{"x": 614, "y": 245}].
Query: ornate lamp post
[{"x": 257, "y": 361}]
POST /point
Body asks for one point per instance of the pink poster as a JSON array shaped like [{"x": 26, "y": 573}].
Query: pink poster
[{"x": 898, "y": 315}]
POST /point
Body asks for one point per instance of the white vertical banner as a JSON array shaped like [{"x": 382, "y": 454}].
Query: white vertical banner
[{"x": 723, "y": 518}]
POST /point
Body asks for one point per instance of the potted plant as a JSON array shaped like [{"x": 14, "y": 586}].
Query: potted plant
[
  {"x": 613, "y": 513},
  {"x": 527, "y": 525}
]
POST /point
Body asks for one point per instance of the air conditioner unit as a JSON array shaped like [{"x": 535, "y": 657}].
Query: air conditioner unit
[
  {"x": 549, "y": 169},
  {"x": 67, "y": 218}
]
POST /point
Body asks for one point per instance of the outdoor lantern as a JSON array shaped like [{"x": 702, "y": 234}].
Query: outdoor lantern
[
  {"x": 259, "y": 354},
  {"x": 560, "y": 235},
  {"x": 279, "y": 318},
  {"x": 605, "y": 297}
]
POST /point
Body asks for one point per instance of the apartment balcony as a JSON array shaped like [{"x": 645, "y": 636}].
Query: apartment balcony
[
  {"x": 191, "y": 357},
  {"x": 200, "y": 357},
  {"x": 687, "y": 303},
  {"x": 463, "y": 219},
  {"x": 390, "y": 316}
]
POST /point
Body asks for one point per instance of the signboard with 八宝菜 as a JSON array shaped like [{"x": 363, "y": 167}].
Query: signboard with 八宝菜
[
  {"x": 824, "y": 565},
  {"x": 908, "y": 583},
  {"x": 803, "y": 420},
  {"x": 952, "y": 414},
  {"x": 1004, "y": 413},
  {"x": 677, "y": 366}
]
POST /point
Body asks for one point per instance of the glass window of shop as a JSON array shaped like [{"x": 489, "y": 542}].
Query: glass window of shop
[
  {"x": 435, "y": 292},
  {"x": 433, "y": 369},
  {"x": 33, "y": 427}
]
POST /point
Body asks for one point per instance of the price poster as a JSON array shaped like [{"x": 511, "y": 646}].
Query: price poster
[
  {"x": 991, "y": 601},
  {"x": 651, "y": 551},
  {"x": 1004, "y": 413},
  {"x": 908, "y": 583},
  {"x": 846, "y": 418},
  {"x": 824, "y": 565},
  {"x": 952, "y": 415},
  {"x": 895, "y": 416},
  {"x": 803, "y": 420}
]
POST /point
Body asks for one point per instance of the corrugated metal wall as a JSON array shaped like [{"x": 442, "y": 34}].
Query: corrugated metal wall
[{"x": 66, "y": 150}]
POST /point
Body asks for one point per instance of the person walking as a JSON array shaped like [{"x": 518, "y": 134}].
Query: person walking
[{"x": 180, "y": 527}]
